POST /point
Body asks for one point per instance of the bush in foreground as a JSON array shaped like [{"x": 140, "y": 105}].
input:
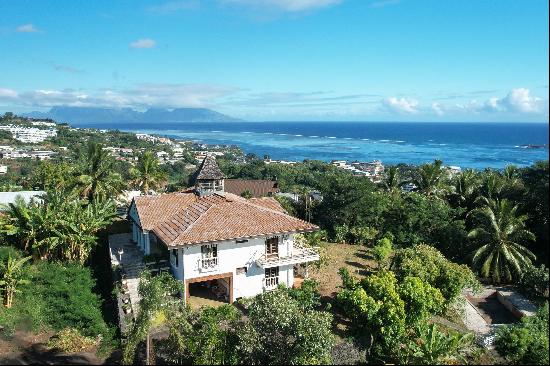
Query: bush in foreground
[
  {"x": 57, "y": 297},
  {"x": 525, "y": 343}
]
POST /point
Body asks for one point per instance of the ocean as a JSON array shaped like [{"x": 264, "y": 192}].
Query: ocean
[{"x": 467, "y": 145}]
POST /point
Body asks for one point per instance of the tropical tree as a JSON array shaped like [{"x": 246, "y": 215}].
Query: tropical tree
[
  {"x": 60, "y": 226},
  {"x": 11, "y": 277},
  {"x": 280, "y": 332},
  {"x": 147, "y": 174},
  {"x": 430, "y": 179},
  {"x": 465, "y": 187},
  {"x": 97, "y": 179},
  {"x": 392, "y": 180},
  {"x": 22, "y": 222},
  {"x": 493, "y": 185},
  {"x": 501, "y": 231},
  {"x": 433, "y": 347},
  {"x": 77, "y": 225},
  {"x": 52, "y": 176},
  {"x": 156, "y": 302}
]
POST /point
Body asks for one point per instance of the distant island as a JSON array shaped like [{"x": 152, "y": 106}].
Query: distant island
[{"x": 127, "y": 115}]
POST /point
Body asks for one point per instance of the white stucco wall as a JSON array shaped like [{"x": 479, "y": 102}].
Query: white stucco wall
[{"x": 233, "y": 255}]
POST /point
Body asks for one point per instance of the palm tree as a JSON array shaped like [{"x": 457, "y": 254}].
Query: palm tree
[
  {"x": 11, "y": 276},
  {"x": 493, "y": 185},
  {"x": 392, "y": 180},
  {"x": 501, "y": 230},
  {"x": 147, "y": 175},
  {"x": 97, "y": 179},
  {"x": 465, "y": 188},
  {"x": 430, "y": 179}
]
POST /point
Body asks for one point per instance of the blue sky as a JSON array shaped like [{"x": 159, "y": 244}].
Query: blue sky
[{"x": 383, "y": 60}]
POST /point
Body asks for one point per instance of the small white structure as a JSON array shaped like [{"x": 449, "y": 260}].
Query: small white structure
[
  {"x": 10, "y": 197},
  {"x": 245, "y": 245},
  {"x": 3, "y": 169}
]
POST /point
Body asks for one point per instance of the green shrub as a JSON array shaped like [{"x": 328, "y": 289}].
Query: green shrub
[
  {"x": 382, "y": 251},
  {"x": 68, "y": 298},
  {"x": 341, "y": 233},
  {"x": 57, "y": 297},
  {"x": 7, "y": 251},
  {"x": 525, "y": 343},
  {"x": 534, "y": 282},
  {"x": 428, "y": 264},
  {"x": 307, "y": 295}
]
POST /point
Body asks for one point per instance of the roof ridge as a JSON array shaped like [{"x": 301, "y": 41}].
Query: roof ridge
[{"x": 188, "y": 228}]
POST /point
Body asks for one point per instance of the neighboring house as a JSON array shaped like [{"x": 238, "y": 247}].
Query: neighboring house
[
  {"x": 245, "y": 246},
  {"x": 3, "y": 169},
  {"x": 9, "y": 197},
  {"x": 257, "y": 188}
]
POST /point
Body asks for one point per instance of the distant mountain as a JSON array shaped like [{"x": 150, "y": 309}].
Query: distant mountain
[{"x": 152, "y": 115}]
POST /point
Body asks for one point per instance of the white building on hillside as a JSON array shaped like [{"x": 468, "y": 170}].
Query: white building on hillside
[
  {"x": 220, "y": 240},
  {"x": 29, "y": 134}
]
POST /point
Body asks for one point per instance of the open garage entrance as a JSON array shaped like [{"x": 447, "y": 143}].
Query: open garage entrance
[{"x": 214, "y": 290}]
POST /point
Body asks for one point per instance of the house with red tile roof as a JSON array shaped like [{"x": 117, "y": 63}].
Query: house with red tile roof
[
  {"x": 214, "y": 238},
  {"x": 254, "y": 187}
]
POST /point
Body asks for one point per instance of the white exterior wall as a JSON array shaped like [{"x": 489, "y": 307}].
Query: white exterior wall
[
  {"x": 140, "y": 236},
  {"x": 177, "y": 271},
  {"x": 233, "y": 255}
]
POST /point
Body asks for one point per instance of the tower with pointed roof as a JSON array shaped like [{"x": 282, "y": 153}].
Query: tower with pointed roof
[{"x": 209, "y": 178}]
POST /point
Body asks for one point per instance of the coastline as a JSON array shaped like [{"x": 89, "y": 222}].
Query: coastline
[{"x": 468, "y": 145}]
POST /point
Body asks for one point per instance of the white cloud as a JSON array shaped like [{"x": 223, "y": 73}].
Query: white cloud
[
  {"x": 520, "y": 100},
  {"x": 143, "y": 43},
  {"x": 286, "y": 5},
  {"x": 141, "y": 96},
  {"x": 26, "y": 28},
  {"x": 7, "y": 93},
  {"x": 401, "y": 105}
]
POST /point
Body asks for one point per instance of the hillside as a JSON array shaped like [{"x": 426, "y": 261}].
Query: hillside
[{"x": 153, "y": 115}]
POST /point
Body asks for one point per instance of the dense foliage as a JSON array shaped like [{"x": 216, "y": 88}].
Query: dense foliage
[
  {"x": 526, "y": 343},
  {"x": 280, "y": 327},
  {"x": 55, "y": 297},
  {"x": 428, "y": 264},
  {"x": 391, "y": 307},
  {"x": 61, "y": 226}
]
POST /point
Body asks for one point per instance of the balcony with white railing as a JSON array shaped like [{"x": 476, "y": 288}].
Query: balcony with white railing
[
  {"x": 299, "y": 255},
  {"x": 208, "y": 264},
  {"x": 271, "y": 283}
]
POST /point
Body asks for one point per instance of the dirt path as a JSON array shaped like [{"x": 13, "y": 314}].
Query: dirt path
[{"x": 26, "y": 348}]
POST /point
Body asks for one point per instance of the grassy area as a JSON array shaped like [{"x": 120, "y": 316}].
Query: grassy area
[{"x": 356, "y": 258}]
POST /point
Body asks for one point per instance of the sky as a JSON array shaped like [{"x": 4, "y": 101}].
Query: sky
[{"x": 268, "y": 60}]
